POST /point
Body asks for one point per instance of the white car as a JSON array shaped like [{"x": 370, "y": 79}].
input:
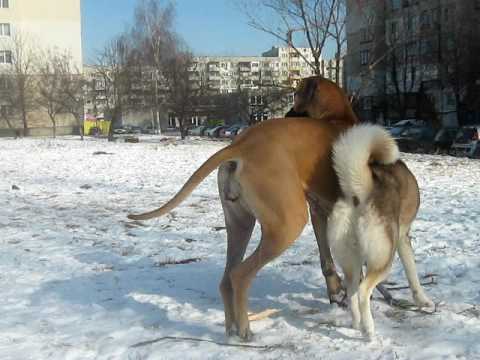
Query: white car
[{"x": 467, "y": 141}]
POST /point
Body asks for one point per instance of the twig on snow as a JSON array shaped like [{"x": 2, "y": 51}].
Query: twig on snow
[
  {"x": 432, "y": 281},
  {"x": 176, "y": 262},
  {"x": 176, "y": 338},
  {"x": 408, "y": 306}
]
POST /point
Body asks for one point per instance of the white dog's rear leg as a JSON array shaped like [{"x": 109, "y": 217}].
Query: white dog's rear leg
[
  {"x": 405, "y": 252},
  {"x": 352, "y": 280},
  {"x": 365, "y": 290}
]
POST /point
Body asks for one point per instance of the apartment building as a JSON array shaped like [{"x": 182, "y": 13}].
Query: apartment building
[
  {"x": 266, "y": 82},
  {"x": 413, "y": 58},
  {"x": 46, "y": 24},
  {"x": 37, "y": 26},
  {"x": 278, "y": 66}
]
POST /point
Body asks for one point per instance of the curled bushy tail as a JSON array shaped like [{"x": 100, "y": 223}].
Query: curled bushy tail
[{"x": 353, "y": 153}]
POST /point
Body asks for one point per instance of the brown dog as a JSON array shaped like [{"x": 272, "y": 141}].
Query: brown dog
[{"x": 267, "y": 174}]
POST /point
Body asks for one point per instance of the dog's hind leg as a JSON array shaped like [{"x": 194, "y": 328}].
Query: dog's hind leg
[
  {"x": 352, "y": 280},
  {"x": 273, "y": 243},
  {"x": 364, "y": 293},
  {"x": 334, "y": 283},
  {"x": 282, "y": 219},
  {"x": 405, "y": 252},
  {"x": 239, "y": 223}
]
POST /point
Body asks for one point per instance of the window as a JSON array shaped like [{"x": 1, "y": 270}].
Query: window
[
  {"x": 426, "y": 47},
  {"x": 5, "y": 57},
  {"x": 425, "y": 19},
  {"x": 5, "y": 30},
  {"x": 395, "y": 4},
  {"x": 4, "y": 83},
  {"x": 366, "y": 34},
  {"x": 4, "y": 4},
  {"x": 393, "y": 31},
  {"x": 364, "y": 57},
  {"x": 5, "y": 110},
  {"x": 412, "y": 22},
  {"x": 367, "y": 103}
]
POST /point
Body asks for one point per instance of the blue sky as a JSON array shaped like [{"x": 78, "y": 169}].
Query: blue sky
[{"x": 210, "y": 27}]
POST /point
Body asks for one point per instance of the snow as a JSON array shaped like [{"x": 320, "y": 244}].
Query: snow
[{"x": 80, "y": 281}]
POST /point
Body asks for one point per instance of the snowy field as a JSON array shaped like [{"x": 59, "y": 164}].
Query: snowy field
[{"x": 80, "y": 281}]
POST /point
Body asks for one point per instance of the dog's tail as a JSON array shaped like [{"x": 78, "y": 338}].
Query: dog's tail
[
  {"x": 354, "y": 152},
  {"x": 197, "y": 177}
]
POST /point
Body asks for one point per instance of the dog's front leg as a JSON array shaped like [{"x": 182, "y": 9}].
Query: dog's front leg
[{"x": 335, "y": 290}]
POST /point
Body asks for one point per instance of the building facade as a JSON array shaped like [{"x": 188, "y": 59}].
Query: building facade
[
  {"x": 413, "y": 58},
  {"x": 30, "y": 28},
  {"x": 262, "y": 84},
  {"x": 46, "y": 24}
]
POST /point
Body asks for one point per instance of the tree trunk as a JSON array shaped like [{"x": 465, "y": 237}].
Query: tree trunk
[
  {"x": 182, "y": 129},
  {"x": 25, "y": 123},
  {"x": 337, "y": 70},
  {"x": 54, "y": 123},
  {"x": 79, "y": 124},
  {"x": 9, "y": 124}
]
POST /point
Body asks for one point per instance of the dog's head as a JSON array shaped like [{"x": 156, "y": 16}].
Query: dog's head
[{"x": 319, "y": 98}]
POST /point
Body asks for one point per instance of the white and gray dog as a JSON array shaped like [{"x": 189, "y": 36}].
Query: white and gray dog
[{"x": 372, "y": 218}]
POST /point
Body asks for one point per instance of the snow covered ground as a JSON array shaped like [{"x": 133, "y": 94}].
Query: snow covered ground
[{"x": 79, "y": 281}]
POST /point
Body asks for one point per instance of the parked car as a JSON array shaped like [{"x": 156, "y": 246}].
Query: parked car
[
  {"x": 214, "y": 132},
  {"x": 444, "y": 139},
  {"x": 412, "y": 138},
  {"x": 135, "y": 129},
  {"x": 119, "y": 131},
  {"x": 148, "y": 130},
  {"x": 241, "y": 129},
  {"x": 409, "y": 122},
  {"x": 197, "y": 131},
  {"x": 467, "y": 141},
  {"x": 231, "y": 131},
  {"x": 203, "y": 132}
]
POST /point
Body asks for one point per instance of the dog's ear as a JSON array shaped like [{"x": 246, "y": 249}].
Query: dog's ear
[{"x": 304, "y": 94}]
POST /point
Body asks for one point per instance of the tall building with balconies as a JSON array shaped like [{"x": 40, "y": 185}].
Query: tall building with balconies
[
  {"x": 414, "y": 59},
  {"x": 227, "y": 74},
  {"x": 256, "y": 76}
]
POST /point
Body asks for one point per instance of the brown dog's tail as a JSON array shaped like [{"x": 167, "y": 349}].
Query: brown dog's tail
[{"x": 197, "y": 177}]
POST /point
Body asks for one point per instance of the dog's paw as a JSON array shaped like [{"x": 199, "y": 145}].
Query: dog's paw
[
  {"x": 340, "y": 299},
  {"x": 368, "y": 334},
  {"x": 230, "y": 331},
  {"x": 356, "y": 325},
  {"x": 423, "y": 301},
  {"x": 245, "y": 335}
]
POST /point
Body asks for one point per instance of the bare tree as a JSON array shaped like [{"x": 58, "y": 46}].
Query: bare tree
[
  {"x": 337, "y": 32},
  {"x": 114, "y": 67},
  {"x": 155, "y": 40},
  {"x": 20, "y": 96},
  {"x": 232, "y": 107},
  {"x": 405, "y": 75},
  {"x": 72, "y": 88},
  {"x": 181, "y": 95},
  {"x": 459, "y": 51},
  {"x": 49, "y": 84},
  {"x": 6, "y": 113},
  {"x": 283, "y": 18}
]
